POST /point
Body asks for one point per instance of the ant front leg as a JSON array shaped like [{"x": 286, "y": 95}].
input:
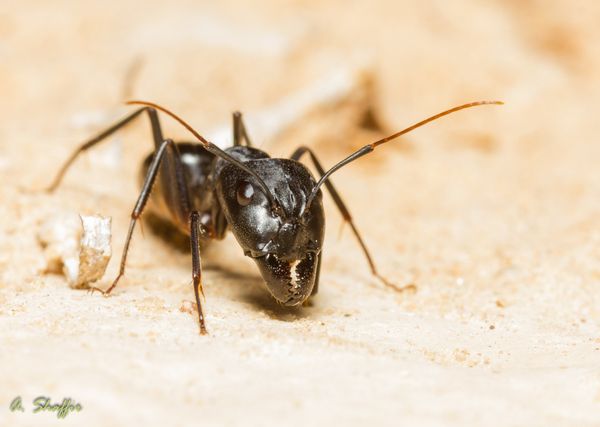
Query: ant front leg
[
  {"x": 167, "y": 149},
  {"x": 239, "y": 130},
  {"x": 196, "y": 231},
  {"x": 346, "y": 216}
]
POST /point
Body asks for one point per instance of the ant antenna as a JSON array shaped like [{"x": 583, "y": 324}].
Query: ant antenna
[
  {"x": 370, "y": 147},
  {"x": 212, "y": 148}
]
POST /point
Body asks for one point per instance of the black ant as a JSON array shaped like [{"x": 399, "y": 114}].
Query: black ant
[{"x": 273, "y": 206}]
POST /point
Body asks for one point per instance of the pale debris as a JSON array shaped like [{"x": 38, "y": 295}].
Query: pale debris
[
  {"x": 80, "y": 250},
  {"x": 95, "y": 249},
  {"x": 59, "y": 235}
]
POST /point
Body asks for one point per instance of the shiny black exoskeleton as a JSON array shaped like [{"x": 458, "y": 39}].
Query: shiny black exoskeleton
[
  {"x": 285, "y": 244},
  {"x": 273, "y": 207}
]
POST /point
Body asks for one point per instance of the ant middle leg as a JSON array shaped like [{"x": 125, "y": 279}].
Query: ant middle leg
[
  {"x": 345, "y": 215},
  {"x": 166, "y": 151}
]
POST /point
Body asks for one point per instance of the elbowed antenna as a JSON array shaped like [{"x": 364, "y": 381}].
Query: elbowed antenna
[
  {"x": 370, "y": 147},
  {"x": 212, "y": 148}
]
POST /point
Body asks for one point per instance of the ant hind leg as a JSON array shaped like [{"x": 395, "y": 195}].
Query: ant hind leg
[{"x": 156, "y": 132}]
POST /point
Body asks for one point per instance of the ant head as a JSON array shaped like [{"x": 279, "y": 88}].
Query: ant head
[{"x": 284, "y": 242}]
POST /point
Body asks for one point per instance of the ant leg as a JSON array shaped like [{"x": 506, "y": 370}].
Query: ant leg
[
  {"x": 318, "y": 275},
  {"x": 168, "y": 146},
  {"x": 196, "y": 231},
  {"x": 345, "y": 214},
  {"x": 239, "y": 130},
  {"x": 156, "y": 132}
]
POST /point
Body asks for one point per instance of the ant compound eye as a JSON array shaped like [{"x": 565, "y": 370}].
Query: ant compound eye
[{"x": 244, "y": 193}]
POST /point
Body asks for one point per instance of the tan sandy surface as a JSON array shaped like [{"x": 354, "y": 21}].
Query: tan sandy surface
[{"x": 493, "y": 214}]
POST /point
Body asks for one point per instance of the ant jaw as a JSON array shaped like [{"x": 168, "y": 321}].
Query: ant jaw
[{"x": 290, "y": 282}]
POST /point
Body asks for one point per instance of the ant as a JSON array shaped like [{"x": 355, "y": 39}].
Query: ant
[{"x": 273, "y": 206}]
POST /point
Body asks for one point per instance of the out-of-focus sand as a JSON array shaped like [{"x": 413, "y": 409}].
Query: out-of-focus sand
[{"x": 494, "y": 214}]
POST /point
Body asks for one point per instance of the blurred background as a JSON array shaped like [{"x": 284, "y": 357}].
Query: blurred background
[{"x": 492, "y": 214}]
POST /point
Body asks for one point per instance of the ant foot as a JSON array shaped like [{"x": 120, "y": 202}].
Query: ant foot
[
  {"x": 94, "y": 289},
  {"x": 411, "y": 287}
]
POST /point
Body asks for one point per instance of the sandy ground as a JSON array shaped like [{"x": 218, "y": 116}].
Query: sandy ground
[{"x": 493, "y": 214}]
